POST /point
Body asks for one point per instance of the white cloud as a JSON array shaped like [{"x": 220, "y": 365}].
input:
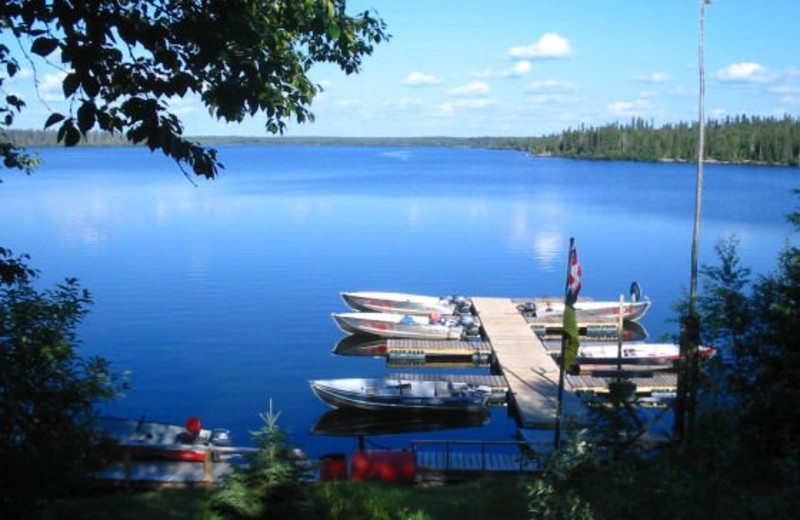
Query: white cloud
[
  {"x": 550, "y": 45},
  {"x": 629, "y": 108},
  {"x": 325, "y": 83},
  {"x": 551, "y": 85},
  {"x": 22, "y": 74},
  {"x": 418, "y": 79},
  {"x": 745, "y": 72},
  {"x": 476, "y": 88},
  {"x": 655, "y": 77},
  {"x": 520, "y": 68},
  {"x": 51, "y": 86},
  {"x": 551, "y": 99},
  {"x": 450, "y": 108}
]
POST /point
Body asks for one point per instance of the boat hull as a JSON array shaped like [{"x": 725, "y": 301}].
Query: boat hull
[
  {"x": 651, "y": 356},
  {"x": 403, "y": 303},
  {"x": 631, "y": 311},
  {"x": 147, "y": 440},
  {"x": 399, "y": 395},
  {"x": 395, "y": 326}
]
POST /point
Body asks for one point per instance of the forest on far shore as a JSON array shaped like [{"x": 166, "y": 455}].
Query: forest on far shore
[{"x": 740, "y": 139}]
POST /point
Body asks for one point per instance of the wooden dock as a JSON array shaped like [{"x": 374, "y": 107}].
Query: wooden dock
[
  {"x": 659, "y": 382},
  {"x": 531, "y": 373},
  {"x": 470, "y": 350}
]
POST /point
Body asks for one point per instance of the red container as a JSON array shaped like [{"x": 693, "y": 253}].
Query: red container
[
  {"x": 194, "y": 425},
  {"x": 387, "y": 466},
  {"x": 333, "y": 466}
]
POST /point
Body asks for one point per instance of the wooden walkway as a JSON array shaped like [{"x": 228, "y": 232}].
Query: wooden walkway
[
  {"x": 531, "y": 372},
  {"x": 659, "y": 382},
  {"x": 470, "y": 350}
]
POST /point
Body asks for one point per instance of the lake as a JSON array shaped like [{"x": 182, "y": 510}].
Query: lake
[{"x": 217, "y": 296}]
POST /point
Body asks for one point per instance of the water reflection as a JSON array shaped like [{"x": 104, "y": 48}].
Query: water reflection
[
  {"x": 362, "y": 345},
  {"x": 352, "y": 422}
]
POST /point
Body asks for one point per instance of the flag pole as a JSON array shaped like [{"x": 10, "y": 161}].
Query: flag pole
[{"x": 562, "y": 367}]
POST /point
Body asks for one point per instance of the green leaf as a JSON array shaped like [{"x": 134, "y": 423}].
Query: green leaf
[
  {"x": 73, "y": 136},
  {"x": 334, "y": 31},
  {"x": 54, "y": 118},
  {"x": 44, "y": 46},
  {"x": 71, "y": 84},
  {"x": 86, "y": 117}
]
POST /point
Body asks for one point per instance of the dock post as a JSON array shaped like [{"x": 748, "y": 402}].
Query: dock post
[{"x": 208, "y": 464}]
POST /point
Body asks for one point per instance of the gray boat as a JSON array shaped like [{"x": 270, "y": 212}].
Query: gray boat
[
  {"x": 390, "y": 325},
  {"x": 401, "y": 395},
  {"x": 416, "y": 304}
]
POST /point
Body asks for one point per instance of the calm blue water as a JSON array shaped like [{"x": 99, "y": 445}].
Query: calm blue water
[{"x": 217, "y": 297}]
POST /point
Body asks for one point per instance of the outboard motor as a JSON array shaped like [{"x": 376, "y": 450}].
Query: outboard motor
[
  {"x": 529, "y": 309},
  {"x": 636, "y": 292},
  {"x": 462, "y": 304},
  {"x": 220, "y": 437},
  {"x": 469, "y": 324}
]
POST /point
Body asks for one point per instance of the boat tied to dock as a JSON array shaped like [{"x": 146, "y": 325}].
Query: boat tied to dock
[
  {"x": 405, "y": 303},
  {"x": 400, "y": 394},
  {"x": 393, "y": 325}
]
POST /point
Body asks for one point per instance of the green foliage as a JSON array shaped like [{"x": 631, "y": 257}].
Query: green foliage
[
  {"x": 47, "y": 390},
  {"x": 348, "y": 501},
  {"x": 271, "y": 485},
  {"x": 170, "y": 504},
  {"x": 724, "y": 308},
  {"x": 760, "y": 140},
  {"x": 552, "y": 496},
  {"x": 124, "y": 60}
]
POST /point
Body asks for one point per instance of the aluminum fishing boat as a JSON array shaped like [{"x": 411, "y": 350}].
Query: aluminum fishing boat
[
  {"x": 401, "y": 395},
  {"x": 632, "y": 310},
  {"x": 650, "y": 355},
  {"x": 391, "y": 325},
  {"x": 404, "y": 303},
  {"x": 148, "y": 440}
]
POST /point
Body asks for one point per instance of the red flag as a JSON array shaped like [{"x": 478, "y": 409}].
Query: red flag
[{"x": 573, "y": 277}]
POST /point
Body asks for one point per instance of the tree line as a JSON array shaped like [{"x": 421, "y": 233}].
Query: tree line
[{"x": 740, "y": 139}]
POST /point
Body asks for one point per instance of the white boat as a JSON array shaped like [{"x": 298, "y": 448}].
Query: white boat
[
  {"x": 391, "y": 325},
  {"x": 404, "y": 303},
  {"x": 150, "y": 440},
  {"x": 631, "y": 311},
  {"x": 400, "y": 395},
  {"x": 652, "y": 355}
]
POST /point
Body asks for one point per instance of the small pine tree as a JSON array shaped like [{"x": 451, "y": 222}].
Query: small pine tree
[{"x": 271, "y": 484}]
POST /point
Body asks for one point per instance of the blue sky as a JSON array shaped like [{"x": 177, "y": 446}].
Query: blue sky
[{"x": 530, "y": 67}]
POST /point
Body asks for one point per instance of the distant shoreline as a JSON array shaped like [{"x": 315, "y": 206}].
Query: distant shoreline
[{"x": 43, "y": 139}]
